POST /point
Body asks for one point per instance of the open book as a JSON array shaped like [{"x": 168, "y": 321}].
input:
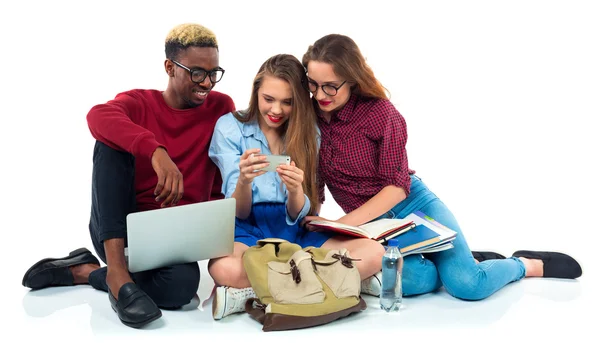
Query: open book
[
  {"x": 380, "y": 230},
  {"x": 428, "y": 236}
]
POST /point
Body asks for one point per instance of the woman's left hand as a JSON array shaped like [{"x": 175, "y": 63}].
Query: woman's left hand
[
  {"x": 311, "y": 218},
  {"x": 306, "y": 223},
  {"x": 292, "y": 177}
]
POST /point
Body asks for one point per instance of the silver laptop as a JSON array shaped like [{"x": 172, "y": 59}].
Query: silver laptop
[{"x": 187, "y": 233}]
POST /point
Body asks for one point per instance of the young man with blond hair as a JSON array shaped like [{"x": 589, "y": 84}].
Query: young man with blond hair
[{"x": 149, "y": 144}]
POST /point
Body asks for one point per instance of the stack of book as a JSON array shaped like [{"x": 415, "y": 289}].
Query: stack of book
[{"x": 417, "y": 233}]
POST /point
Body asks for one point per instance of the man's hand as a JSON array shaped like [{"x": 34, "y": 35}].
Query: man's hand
[
  {"x": 292, "y": 177},
  {"x": 170, "y": 180},
  {"x": 249, "y": 165}
]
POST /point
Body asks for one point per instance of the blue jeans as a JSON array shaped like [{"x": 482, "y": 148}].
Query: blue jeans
[{"x": 455, "y": 269}]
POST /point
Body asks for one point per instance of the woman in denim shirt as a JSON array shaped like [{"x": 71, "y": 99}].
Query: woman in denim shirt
[{"x": 280, "y": 119}]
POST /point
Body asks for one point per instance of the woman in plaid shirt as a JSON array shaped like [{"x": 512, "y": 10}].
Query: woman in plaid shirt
[{"x": 363, "y": 162}]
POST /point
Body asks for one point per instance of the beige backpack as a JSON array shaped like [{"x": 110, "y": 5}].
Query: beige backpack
[{"x": 298, "y": 288}]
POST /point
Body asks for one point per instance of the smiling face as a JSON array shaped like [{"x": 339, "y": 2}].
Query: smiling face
[
  {"x": 322, "y": 74},
  {"x": 274, "y": 103},
  {"x": 181, "y": 92}
]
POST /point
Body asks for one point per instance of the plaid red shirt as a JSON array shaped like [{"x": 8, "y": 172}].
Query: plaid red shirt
[{"x": 362, "y": 151}]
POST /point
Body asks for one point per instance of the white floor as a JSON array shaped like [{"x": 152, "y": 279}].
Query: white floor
[
  {"x": 553, "y": 309},
  {"x": 544, "y": 309}
]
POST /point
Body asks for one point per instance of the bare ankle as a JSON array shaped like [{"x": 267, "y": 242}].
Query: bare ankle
[
  {"x": 81, "y": 272},
  {"x": 533, "y": 268}
]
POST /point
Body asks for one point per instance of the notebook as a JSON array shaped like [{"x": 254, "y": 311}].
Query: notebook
[
  {"x": 180, "y": 234},
  {"x": 428, "y": 236},
  {"x": 380, "y": 230}
]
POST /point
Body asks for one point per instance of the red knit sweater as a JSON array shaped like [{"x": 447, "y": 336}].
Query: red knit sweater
[{"x": 139, "y": 121}]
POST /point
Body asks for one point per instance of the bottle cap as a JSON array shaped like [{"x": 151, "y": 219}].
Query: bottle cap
[{"x": 393, "y": 243}]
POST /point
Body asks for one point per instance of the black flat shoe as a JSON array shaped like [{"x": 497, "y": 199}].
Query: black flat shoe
[
  {"x": 55, "y": 271},
  {"x": 556, "y": 264},
  {"x": 135, "y": 308},
  {"x": 487, "y": 255}
]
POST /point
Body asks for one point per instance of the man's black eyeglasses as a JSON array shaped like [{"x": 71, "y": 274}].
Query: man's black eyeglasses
[
  {"x": 197, "y": 75},
  {"x": 330, "y": 90}
]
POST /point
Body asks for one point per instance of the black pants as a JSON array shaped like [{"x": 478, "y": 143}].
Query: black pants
[{"x": 113, "y": 198}]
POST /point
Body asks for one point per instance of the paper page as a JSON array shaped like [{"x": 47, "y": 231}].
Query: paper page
[
  {"x": 379, "y": 227},
  {"x": 444, "y": 233}
]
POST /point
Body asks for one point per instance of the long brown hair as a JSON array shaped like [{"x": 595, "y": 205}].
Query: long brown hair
[
  {"x": 300, "y": 132},
  {"x": 348, "y": 62}
]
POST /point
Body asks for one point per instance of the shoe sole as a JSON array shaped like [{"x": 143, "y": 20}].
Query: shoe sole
[
  {"x": 380, "y": 284},
  {"x": 219, "y": 298},
  {"x": 371, "y": 289},
  {"x": 138, "y": 324},
  {"x": 72, "y": 254}
]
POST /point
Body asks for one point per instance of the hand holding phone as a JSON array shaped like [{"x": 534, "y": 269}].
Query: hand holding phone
[
  {"x": 250, "y": 164},
  {"x": 274, "y": 161},
  {"x": 292, "y": 177}
]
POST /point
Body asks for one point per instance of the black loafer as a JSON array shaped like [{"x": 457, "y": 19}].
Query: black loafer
[
  {"x": 487, "y": 255},
  {"x": 556, "y": 264},
  {"x": 55, "y": 271},
  {"x": 135, "y": 308}
]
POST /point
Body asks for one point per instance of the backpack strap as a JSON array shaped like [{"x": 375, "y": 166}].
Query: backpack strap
[{"x": 258, "y": 312}]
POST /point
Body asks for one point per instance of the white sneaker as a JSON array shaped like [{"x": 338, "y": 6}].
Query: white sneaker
[
  {"x": 230, "y": 300},
  {"x": 371, "y": 285}
]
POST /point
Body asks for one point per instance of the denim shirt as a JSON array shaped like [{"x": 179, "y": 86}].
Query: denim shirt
[{"x": 229, "y": 141}]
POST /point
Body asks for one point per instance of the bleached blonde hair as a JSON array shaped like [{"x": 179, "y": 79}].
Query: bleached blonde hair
[{"x": 183, "y": 36}]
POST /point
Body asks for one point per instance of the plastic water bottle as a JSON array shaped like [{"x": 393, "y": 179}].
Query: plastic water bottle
[{"x": 391, "y": 278}]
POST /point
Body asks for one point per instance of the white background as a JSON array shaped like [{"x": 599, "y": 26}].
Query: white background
[{"x": 501, "y": 101}]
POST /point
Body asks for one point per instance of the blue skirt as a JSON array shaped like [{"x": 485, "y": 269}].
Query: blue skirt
[{"x": 268, "y": 220}]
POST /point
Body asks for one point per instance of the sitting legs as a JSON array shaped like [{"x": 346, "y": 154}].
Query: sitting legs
[
  {"x": 113, "y": 198},
  {"x": 229, "y": 270},
  {"x": 368, "y": 251},
  {"x": 233, "y": 286}
]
